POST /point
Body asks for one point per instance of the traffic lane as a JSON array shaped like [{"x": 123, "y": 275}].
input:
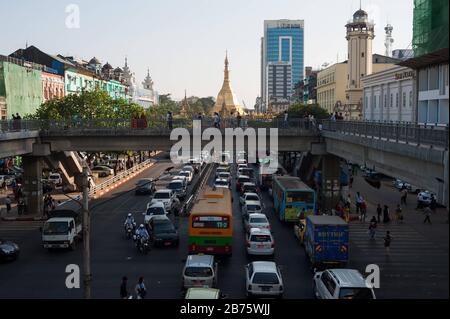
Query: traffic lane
[
  {"x": 289, "y": 255},
  {"x": 41, "y": 274},
  {"x": 114, "y": 256}
]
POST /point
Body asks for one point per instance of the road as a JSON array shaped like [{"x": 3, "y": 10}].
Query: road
[{"x": 414, "y": 270}]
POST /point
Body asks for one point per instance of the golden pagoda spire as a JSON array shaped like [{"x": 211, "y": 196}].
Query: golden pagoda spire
[{"x": 227, "y": 72}]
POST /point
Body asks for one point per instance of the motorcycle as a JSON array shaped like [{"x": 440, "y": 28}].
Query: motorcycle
[
  {"x": 129, "y": 230},
  {"x": 142, "y": 244}
]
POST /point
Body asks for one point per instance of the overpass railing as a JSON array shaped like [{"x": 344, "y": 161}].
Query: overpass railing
[
  {"x": 153, "y": 124},
  {"x": 419, "y": 134}
]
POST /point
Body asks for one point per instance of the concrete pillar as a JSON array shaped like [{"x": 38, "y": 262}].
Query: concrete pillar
[
  {"x": 331, "y": 172},
  {"x": 32, "y": 184}
]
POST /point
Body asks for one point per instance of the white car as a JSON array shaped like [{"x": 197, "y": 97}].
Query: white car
[
  {"x": 263, "y": 278},
  {"x": 221, "y": 183},
  {"x": 249, "y": 197},
  {"x": 55, "y": 178},
  {"x": 189, "y": 168},
  {"x": 189, "y": 175},
  {"x": 256, "y": 221},
  {"x": 424, "y": 198},
  {"x": 225, "y": 175},
  {"x": 260, "y": 242},
  {"x": 165, "y": 196},
  {"x": 154, "y": 209},
  {"x": 242, "y": 161},
  {"x": 341, "y": 284},
  {"x": 252, "y": 207}
]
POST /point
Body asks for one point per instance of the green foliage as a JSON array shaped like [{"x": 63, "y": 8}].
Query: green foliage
[
  {"x": 95, "y": 104},
  {"x": 301, "y": 110}
]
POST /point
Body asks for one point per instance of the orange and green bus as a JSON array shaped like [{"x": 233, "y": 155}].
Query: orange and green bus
[{"x": 211, "y": 223}]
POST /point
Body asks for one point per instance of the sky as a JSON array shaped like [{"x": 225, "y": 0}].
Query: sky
[{"x": 183, "y": 42}]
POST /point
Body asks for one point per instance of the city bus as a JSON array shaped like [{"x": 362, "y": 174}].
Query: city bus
[
  {"x": 291, "y": 196},
  {"x": 211, "y": 223}
]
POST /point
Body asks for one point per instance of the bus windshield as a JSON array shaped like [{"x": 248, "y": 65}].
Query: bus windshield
[{"x": 300, "y": 196}]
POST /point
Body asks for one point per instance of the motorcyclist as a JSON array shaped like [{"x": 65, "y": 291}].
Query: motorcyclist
[
  {"x": 130, "y": 221},
  {"x": 141, "y": 232}
]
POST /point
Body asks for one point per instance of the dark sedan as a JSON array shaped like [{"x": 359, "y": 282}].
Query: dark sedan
[
  {"x": 145, "y": 187},
  {"x": 163, "y": 233},
  {"x": 8, "y": 250}
]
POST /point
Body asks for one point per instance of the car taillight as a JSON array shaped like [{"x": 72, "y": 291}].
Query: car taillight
[
  {"x": 281, "y": 288},
  {"x": 248, "y": 244},
  {"x": 249, "y": 287},
  {"x": 273, "y": 244}
]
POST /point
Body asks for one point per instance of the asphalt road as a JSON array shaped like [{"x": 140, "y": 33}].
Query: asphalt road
[{"x": 41, "y": 274}]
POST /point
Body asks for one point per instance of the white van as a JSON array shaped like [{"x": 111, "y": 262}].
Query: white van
[{"x": 200, "y": 271}]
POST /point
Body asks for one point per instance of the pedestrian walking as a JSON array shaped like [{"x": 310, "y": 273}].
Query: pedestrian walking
[
  {"x": 216, "y": 120},
  {"x": 433, "y": 204},
  {"x": 379, "y": 212},
  {"x": 387, "y": 242},
  {"x": 140, "y": 289},
  {"x": 427, "y": 212},
  {"x": 363, "y": 208},
  {"x": 238, "y": 119},
  {"x": 352, "y": 179},
  {"x": 348, "y": 202},
  {"x": 404, "y": 196},
  {"x": 124, "y": 288},
  {"x": 398, "y": 214},
  {"x": 169, "y": 119},
  {"x": 373, "y": 227},
  {"x": 386, "y": 214},
  {"x": 8, "y": 204},
  {"x": 21, "y": 207},
  {"x": 286, "y": 117},
  {"x": 359, "y": 201}
]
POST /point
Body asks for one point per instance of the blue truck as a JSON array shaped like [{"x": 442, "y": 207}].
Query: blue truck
[{"x": 326, "y": 241}]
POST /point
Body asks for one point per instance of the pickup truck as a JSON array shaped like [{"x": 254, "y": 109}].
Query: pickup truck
[
  {"x": 326, "y": 241},
  {"x": 62, "y": 229}
]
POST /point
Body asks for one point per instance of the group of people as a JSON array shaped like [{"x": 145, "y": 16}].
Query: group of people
[
  {"x": 16, "y": 121},
  {"x": 140, "y": 290}
]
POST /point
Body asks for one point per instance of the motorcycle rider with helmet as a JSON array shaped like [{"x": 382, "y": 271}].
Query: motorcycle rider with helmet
[{"x": 141, "y": 234}]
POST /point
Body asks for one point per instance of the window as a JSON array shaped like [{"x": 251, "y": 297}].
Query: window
[
  {"x": 329, "y": 283},
  {"x": 396, "y": 100},
  {"x": 392, "y": 100},
  {"x": 385, "y": 100},
  {"x": 404, "y": 99},
  {"x": 362, "y": 54}
]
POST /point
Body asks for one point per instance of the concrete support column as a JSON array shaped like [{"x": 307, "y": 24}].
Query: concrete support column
[
  {"x": 32, "y": 183},
  {"x": 331, "y": 172}
]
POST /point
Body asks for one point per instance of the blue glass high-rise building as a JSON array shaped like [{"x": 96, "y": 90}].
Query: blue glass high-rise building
[{"x": 283, "y": 41}]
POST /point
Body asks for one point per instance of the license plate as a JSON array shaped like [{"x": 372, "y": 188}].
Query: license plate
[
  {"x": 167, "y": 243},
  {"x": 265, "y": 288},
  {"x": 261, "y": 246},
  {"x": 209, "y": 249}
]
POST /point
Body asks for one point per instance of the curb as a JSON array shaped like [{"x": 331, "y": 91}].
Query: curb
[{"x": 23, "y": 219}]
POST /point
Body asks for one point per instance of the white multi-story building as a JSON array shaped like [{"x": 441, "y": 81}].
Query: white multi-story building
[{"x": 389, "y": 95}]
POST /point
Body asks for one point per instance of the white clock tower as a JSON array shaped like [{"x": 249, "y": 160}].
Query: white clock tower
[{"x": 360, "y": 33}]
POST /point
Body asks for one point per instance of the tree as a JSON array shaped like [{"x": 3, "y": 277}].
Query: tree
[
  {"x": 96, "y": 104},
  {"x": 301, "y": 110}
]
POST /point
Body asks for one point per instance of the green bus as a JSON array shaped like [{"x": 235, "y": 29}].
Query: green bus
[{"x": 291, "y": 196}]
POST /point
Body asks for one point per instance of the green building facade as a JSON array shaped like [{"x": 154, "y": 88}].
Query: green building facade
[
  {"x": 21, "y": 88},
  {"x": 430, "y": 30}
]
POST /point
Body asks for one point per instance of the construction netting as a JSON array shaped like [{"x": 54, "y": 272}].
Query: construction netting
[{"x": 430, "y": 26}]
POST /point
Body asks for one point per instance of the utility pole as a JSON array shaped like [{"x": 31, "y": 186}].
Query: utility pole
[{"x": 86, "y": 236}]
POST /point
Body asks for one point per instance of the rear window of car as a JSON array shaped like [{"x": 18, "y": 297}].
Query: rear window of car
[
  {"x": 222, "y": 183},
  {"x": 162, "y": 195},
  {"x": 252, "y": 197},
  {"x": 264, "y": 278},
  {"x": 355, "y": 293},
  {"x": 175, "y": 185},
  {"x": 258, "y": 220},
  {"x": 253, "y": 207},
  {"x": 155, "y": 211},
  {"x": 198, "y": 272},
  {"x": 243, "y": 180},
  {"x": 260, "y": 238}
]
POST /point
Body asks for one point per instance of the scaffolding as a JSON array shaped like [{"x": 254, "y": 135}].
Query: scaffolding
[{"x": 430, "y": 26}]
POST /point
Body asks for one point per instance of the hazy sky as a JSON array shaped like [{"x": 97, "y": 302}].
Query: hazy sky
[{"x": 183, "y": 42}]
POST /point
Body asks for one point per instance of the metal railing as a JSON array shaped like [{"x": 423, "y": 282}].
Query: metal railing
[
  {"x": 419, "y": 134},
  {"x": 106, "y": 184}
]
